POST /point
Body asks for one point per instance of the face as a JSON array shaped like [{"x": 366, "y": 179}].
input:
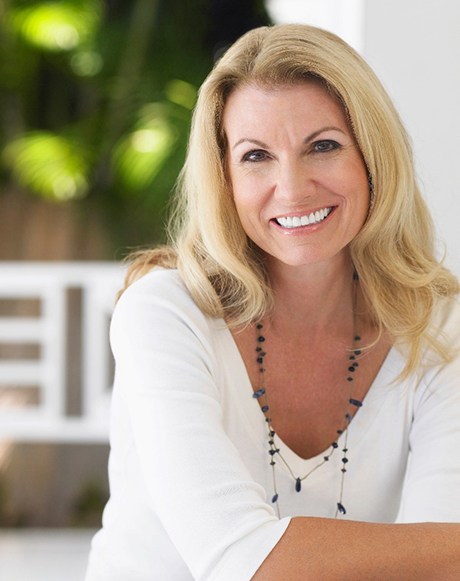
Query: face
[{"x": 299, "y": 183}]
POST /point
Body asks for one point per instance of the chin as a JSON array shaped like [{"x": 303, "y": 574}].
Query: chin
[
  {"x": 297, "y": 261},
  {"x": 302, "y": 259}
]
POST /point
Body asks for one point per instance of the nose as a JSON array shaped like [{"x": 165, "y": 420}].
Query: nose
[{"x": 294, "y": 182}]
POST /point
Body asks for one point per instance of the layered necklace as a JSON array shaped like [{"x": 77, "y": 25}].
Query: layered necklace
[{"x": 274, "y": 453}]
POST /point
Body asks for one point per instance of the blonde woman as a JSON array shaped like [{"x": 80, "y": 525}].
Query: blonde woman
[{"x": 287, "y": 394}]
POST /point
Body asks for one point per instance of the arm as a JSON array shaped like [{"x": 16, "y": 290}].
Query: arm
[
  {"x": 168, "y": 394},
  {"x": 313, "y": 549}
]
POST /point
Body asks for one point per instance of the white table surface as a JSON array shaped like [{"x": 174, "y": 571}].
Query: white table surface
[{"x": 44, "y": 554}]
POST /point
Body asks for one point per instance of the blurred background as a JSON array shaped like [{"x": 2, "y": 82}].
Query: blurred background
[{"x": 95, "y": 105}]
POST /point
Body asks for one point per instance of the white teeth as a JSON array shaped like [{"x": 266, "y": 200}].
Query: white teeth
[{"x": 296, "y": 221}]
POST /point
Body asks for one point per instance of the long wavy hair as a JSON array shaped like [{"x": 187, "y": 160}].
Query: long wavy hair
[{"x": 394, "y": 252}]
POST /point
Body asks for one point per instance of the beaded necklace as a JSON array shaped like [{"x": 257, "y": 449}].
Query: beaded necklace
[{"x": 353, "y": 404}]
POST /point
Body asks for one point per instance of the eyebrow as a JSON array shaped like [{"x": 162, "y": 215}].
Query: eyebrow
[{"x": 305, "y": 141}]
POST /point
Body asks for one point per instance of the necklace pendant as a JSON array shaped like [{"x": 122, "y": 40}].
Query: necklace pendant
[
  {"x": 341, "y": 508},
  {"x": 298, "y": 485}
]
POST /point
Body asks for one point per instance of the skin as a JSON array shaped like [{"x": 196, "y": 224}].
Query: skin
[
  {"x": 290, "y": 153},
  {"x": 303, "y": 160}
]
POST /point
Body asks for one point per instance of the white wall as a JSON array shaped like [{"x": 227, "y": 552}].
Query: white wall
[
  {"x": 343, "y": 17},
  {"x": 414, "y": 47}
]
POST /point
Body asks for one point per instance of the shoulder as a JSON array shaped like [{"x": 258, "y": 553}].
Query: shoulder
[
  {"x": 446, "y": 320},
  {"x": 445, "y": 328},
  {"x": 159, "y": 282},
  {"x": 157, "y": 306},
  {"x": 160, "y": 288}
]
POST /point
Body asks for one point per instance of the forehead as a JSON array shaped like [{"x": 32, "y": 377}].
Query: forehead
[{"x": 253, "y": 105}]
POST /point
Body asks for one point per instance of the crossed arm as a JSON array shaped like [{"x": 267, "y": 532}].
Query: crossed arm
[{"x": 327, "y": 550}]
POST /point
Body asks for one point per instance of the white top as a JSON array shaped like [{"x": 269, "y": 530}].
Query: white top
[{"x": 190, "y": 479}]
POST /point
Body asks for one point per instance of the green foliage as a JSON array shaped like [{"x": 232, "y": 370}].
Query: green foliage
[
  {"x": 139, "y": 155},
  {"x": 53, "y": 166},
  {"x": 96, "y": 99},
  {"x": 56, "y": 26},
  {"x": 89, "y": 505}
]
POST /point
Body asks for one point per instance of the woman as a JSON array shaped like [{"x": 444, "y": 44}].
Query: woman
[{"x": 287, "y": 402}]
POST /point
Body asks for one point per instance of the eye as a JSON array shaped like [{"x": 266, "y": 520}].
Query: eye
[
  {"x": 325, "y": 145},
  {"x": 255, "y": 155}
]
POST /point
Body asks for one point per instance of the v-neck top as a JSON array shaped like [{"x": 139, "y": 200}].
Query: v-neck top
[{"x": 190, "y": 476}]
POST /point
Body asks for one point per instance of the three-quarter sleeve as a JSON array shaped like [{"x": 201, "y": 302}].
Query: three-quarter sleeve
[
  {"x": 431, "y": 490},
  {"x": 167, "y": 374}
]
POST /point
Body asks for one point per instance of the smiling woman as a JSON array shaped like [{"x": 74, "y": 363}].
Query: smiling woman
[
  {"x": 299, "y": 181},
  {"x": 279, "y": 364}
]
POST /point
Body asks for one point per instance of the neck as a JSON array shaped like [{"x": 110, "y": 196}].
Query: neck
[{"x": 313, "y": 299}]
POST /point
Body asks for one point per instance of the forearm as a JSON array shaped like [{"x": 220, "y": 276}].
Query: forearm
[{"x": 329, "y": 550}]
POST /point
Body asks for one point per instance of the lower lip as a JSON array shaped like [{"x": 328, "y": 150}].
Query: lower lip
[{"x": 303, "y": 229}]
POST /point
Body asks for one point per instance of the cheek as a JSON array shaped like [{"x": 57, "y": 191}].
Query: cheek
[
  {"x": 249, "y": 209},
  {"x": 246, "y": 192},
  {"x": 361, "y": 207},
  {"x": 246, "y": 209}
]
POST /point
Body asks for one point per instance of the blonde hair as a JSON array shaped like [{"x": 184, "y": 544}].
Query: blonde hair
[{"x": 394, "y": 252}]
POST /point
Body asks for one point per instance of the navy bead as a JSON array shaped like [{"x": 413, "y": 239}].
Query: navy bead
[
  {"x": 265, "y": 408},
  {"x": 260, "y": 359},
  {"x": 261, "y": 339},
  {"x": 351, "y": 369},
  {"x": 357, "y": 352},
  {"x": 273, "y": 452},
  {"x": 272, "y": 463},
  {"x": 345, "y": 460},
  {"x": 271, "y": 433},
  {"x": 341, "y": 508},
  {"x": 340, "y": 432},
  {"x": 275, "y": 498},
  {"x": 259, "y": 392},
  {"x": 355, "y": 402},
  {"x": 298, "y": 485},
  {"x": 335, "y": 445},
  {"x": 357, "y": 338},
  {"x": 349, "y": 378},
  {"x": 259, "y": 326},
  {"x": 326, "y": 458},
  {"x": 344, "y": 470},
  {"x": 258, "y": 349}
]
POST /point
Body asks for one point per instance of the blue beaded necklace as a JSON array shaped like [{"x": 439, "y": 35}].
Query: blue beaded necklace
[{"x": 353, "y": 405}]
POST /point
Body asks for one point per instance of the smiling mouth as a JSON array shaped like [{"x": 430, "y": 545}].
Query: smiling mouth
[{"x": 306, "y": 220}]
